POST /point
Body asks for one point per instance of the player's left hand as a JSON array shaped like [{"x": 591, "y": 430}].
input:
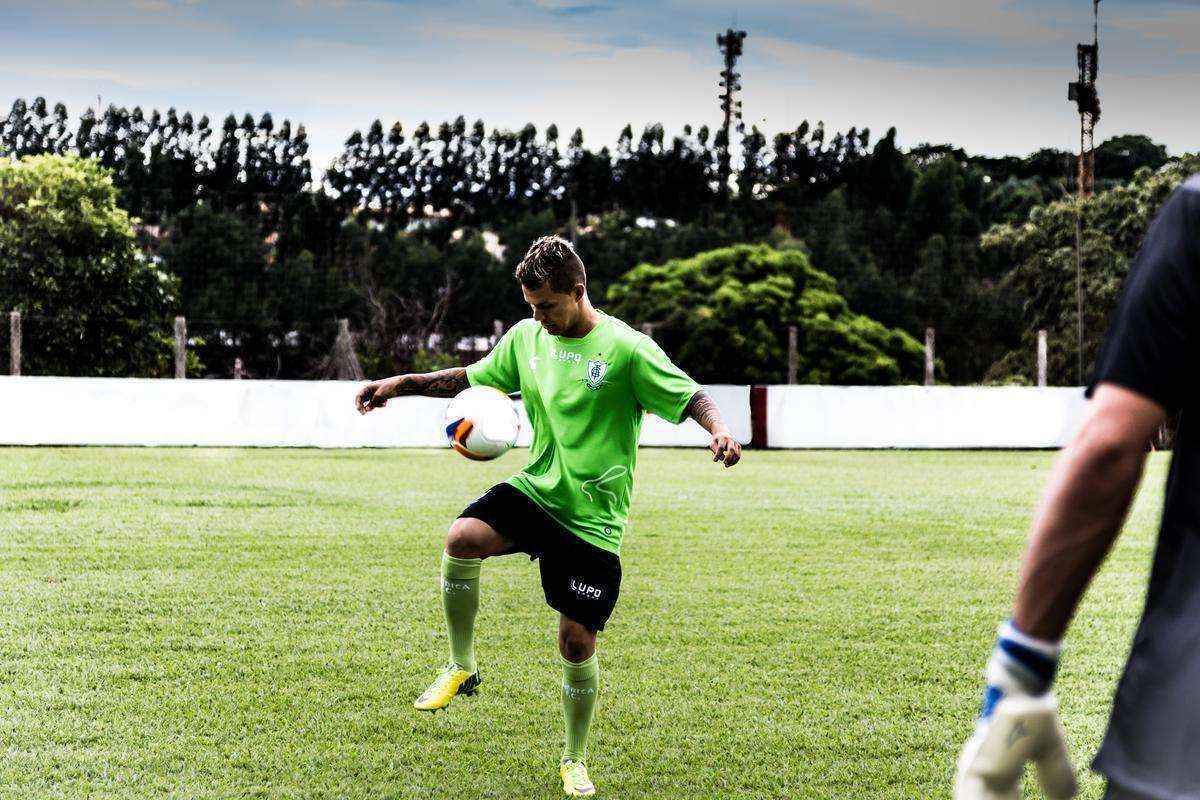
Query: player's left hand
[
  {"x": 374, "y": 395},
  {"x": 1020, "y": 730},
  {"x": 1018, "y": 724},
  {"x": 725, "y": 448}
]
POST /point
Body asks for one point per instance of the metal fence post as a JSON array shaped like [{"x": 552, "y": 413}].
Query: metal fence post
[
  {"x": 1041, "y": 358},
  {"x": 793, "y": 353},
  {"x": 929, "y": 356},
  {"x": 180, "y": 348},
  {"x": 345, "y": 360},
  {"x": 14, "y": 342}
]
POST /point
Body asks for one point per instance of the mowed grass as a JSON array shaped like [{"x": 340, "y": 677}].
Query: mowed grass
[{"x": 255, "y": 623}]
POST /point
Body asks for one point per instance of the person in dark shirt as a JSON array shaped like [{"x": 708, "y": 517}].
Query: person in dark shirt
[{"x": 1144, "y": 373}]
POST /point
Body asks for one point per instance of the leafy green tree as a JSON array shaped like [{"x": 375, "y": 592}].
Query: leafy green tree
[
  {"x": 1042, "y": 251},
  {"x": 93, "y": 304},
  {"x": 884, "y": 179},
  {"x": 837, "y": 238},
  {"x": 899, "y": 230},
  {"x": 614, "y": 243},
  {"x": 221, "y": 263},
  {"x": 278, "y": 316},
  {"x": 416, "y": 299},
  {"x": 34, "y": 129},
  {"x": 588, "y": 179},
  {"x": 656, "y": 179},
  {"x": 1118, "y": 159},
  {"x": 724, "y": 315},
  {"x": 1012, "y": 200},
  {"x": 950, "y": 288},
  {"x": 804, "y": 166},
  {"x": 160, "y": 163},
  {"x": 449, "y": 185}
]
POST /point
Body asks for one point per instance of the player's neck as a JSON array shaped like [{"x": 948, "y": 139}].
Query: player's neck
[{"x": 589, "y": 317}]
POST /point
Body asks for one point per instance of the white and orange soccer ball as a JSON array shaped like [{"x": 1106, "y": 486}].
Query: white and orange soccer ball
[{"x": 482, "y": 423}]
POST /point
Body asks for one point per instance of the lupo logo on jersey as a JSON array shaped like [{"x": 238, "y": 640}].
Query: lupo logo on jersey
[
  {"x": 565, "y": 355},
  {"x": 585, "y": 590}
]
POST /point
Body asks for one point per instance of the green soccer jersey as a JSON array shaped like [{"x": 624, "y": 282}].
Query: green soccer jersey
[{"x": 585, "y": 398}]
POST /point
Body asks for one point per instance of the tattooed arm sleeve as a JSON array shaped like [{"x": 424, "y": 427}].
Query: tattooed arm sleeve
[
  {"x": 443, "y": 383},
  {"x": 704, "y": 411}
]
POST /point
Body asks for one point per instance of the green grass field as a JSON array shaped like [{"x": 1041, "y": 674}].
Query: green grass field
[{"x": 231, "y": 623}]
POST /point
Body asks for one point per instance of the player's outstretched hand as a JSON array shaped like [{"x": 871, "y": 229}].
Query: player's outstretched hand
[
  {"x": 725, "y": 448},
  {"x": 1020, "y": 729},
  {"x": 374, "y": 395}
]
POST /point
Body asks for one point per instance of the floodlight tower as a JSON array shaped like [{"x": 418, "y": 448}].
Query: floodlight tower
[
  {"x": 730, "y": 43},
  {"x": 1083, "y": 93}
]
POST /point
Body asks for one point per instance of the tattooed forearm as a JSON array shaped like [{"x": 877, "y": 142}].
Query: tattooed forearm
[
  {"x": 704, "y": 411},
  {"x": 443, "y": 383}
]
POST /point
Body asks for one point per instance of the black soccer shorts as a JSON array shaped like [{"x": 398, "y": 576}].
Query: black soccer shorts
[{"x": 580, "y": 581}]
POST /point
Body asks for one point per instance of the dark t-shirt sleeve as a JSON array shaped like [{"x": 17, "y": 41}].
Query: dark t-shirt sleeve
[{"x": 1151, "y": 344}]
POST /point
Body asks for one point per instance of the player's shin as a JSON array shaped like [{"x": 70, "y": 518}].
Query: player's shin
[
  {"x": 581, "y": 682},
  {"x": 1018, "y": 724},
  {"x": 460, "y": 601}
]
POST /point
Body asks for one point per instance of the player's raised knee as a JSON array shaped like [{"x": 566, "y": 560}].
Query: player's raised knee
[
  {"x": 463, "y": 538},
  {"x": 576, "y": 643}
]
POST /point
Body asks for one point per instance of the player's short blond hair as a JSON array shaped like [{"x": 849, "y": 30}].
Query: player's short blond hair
[{"x": 551, "y": 261}]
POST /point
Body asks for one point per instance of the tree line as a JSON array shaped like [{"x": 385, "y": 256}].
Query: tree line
[{"x": 413, "y": 233}]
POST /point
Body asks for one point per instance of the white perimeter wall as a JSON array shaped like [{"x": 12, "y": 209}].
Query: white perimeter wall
[
  {"x": 119, "y": 411},
  {"x": 130, "y": 411},
  {"x": 921, "y": 417}
]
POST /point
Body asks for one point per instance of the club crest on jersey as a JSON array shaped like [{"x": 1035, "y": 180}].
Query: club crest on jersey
[{"x": 596, "y": 370}]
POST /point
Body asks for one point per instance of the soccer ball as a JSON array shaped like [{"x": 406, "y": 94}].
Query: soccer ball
[{"x": 482, "y": 423}]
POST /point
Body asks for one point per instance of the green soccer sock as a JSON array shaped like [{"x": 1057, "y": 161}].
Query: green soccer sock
[
  {"x": 581, "y": 682},
  {"x": 460, "y": 600}
]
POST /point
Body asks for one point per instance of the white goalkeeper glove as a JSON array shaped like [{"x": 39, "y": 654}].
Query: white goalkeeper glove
[{"x": 1019, "y": 724}]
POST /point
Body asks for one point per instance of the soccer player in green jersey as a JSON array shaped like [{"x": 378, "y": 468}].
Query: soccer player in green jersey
[{"x": 586, "y": 380}]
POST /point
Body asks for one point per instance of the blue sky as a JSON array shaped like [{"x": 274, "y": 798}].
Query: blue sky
[{"x": 990, "y": 76}]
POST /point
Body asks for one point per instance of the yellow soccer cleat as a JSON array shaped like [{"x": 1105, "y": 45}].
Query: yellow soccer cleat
[
  {"x": 576, "y": 782},
  {"x": 453, "y": 681}
]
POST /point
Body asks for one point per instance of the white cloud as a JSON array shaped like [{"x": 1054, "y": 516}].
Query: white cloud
[
  {"x": 338, "y": 69},
  {"x": 563, "y": 5},
  {"x": 995, "y": 20},
  {"x": 983, "y": 109},
  {"x": 546, "y": 41},
  {"x": 1172, "y": 33},
  {"x": 51, "y": 74}
]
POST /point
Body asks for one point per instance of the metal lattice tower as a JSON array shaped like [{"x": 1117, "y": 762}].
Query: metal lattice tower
[
  {"x": 1083, "y": 93},
  {"x": 730, "y": 43}
]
